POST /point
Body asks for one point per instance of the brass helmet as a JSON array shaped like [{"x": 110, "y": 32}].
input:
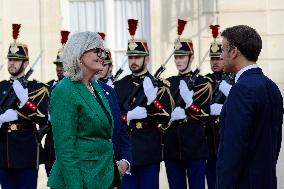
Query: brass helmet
[
  {"x": 17, "y": 50},
  {"x": 215, "y": 46},
  {"x": 108, "y": 58},
  {"x": 64, "y": 38},
  {"x": 136, "y": 47},
  {"x": 183, "y": 46}
]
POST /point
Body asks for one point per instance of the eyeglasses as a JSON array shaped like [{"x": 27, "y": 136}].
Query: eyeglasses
[{"x": 100, "y": 52}]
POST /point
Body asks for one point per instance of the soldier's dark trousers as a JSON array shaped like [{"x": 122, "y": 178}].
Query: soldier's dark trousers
[
  {"x": 177, "y": 171},
  {"x": 142, "y": 177},
  {"x": 211, "y": 173},
  {"x": 18, "y": 178}
]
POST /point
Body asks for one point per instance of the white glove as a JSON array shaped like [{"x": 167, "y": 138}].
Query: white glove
[
  {"x": 21, "y": 93},
  {"x": 149, "y": 90},
  {"x": 225, "y": 87},
  {"x": 110, "y": 83},
  {"x": 7, "y": 116},
  {"x": 185, "y": 93},
  {"x": 177, "y": 114},
  {"x": 215, "y": 109},
  {"x": 137, "y": 113}
]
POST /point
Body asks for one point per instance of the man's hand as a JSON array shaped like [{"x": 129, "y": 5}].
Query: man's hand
[
  {"x": 185, "y": 93},
  {"x": 149, "y": 90},
  {"x": 21, "y": 93},
  {"x": 137, "y": 113},
  {"x": 178, "y": 114},
  {"x": 225, "y": 87},
  {"x": 215, "y": 109},
  {"x": 7, "y": 116}
]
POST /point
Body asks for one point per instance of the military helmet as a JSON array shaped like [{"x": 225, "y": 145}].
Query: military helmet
[
  {"x": 108, "y": 58},
  {"x": 215, "y": 46},
  {"x": 17, "y": 50},
  {"x": 136, "y": 47},
  {"x": 64, "y": 38},
  {"x": 183, "y": 46}
]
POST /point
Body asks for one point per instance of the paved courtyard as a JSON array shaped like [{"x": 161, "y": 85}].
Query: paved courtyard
[{"x": 163, "y": 179}]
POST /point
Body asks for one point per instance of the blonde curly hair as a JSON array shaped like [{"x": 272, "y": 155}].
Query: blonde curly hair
[{"x": 76, "y": 45}]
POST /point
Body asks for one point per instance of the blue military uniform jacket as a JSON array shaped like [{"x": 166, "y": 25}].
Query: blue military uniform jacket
[
  {"x": 120, "y": 137},
  {"x": 145, "y": 135},
  {"x": 186, "y": 139},
  {"x": 19, "y": 140},
  {"x": 213, "y": 125},
  {"x": 250, "y": 135}
]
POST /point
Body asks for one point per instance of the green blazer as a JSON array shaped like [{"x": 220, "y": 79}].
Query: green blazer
[{"x": 82, "y": 130}]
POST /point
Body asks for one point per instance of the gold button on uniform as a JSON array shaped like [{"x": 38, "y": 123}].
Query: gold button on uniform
[
  {"x": 138, "y": 125},
  {"x": 13, "y": 127}
]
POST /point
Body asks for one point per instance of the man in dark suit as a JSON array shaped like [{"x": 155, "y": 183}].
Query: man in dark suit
[{"x": 251, "y": 118}]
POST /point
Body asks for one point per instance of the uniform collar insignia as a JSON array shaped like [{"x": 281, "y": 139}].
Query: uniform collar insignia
[{"x": 188, "y": 74}]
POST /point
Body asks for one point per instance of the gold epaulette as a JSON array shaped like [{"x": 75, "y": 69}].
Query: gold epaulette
[
  {"x": 165, "y": 82},
  {"x": 206, "y": 77},
  {"x": 46, "y": 85}
]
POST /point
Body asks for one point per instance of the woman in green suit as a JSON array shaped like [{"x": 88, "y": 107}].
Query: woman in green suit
[{"x": 81, "y": 120}]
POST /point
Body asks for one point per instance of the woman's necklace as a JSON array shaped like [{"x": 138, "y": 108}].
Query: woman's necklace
[{"x": 91, "y": 89}]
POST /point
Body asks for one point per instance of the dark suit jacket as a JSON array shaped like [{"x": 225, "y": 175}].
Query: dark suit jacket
[
  {"x": 251, "y": 133},
  {"x": 120, "y": 137}
]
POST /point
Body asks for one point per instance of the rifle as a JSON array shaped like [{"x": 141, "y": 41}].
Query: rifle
[
  {"x": 162, "y": 68},
  {"x": 119, "y": 71},
  {"x": 10, "y": 99}
]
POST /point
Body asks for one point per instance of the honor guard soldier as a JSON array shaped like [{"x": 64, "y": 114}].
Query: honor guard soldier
[
  {"x": 186, "y": 146},
  {"x": 49, "y": 145},
  {"x": 120, "y": 139},
  {"x": 23, "y": 105},
  {"x": 106, "y": 74},
  {"x": 218, "y": 99},
  {"x": 146, "y": 105}
]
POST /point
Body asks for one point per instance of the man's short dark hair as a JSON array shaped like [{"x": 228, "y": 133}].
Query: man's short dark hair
[{"x": 246, "y": 39}]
